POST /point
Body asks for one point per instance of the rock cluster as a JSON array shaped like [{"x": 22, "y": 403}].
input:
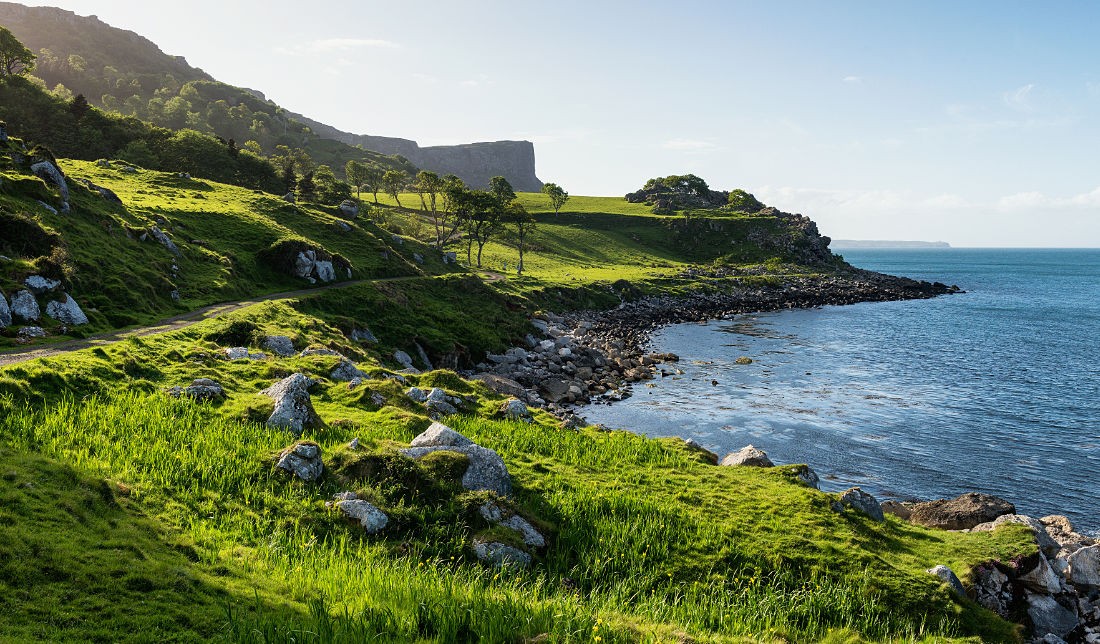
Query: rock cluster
[
  {"x": 24, "y": 305},
  {"x": 308, "y": 266},
  {"x": 199, "y": 389},
  {"x": 303, "y": 460},
  {"x": 486, "y": 470},
  {"x": 436, "y": 401}
]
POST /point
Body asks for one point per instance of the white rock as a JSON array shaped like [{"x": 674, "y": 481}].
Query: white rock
[
  {"x": 514, "y": 409},
  {"x": 1084, "y": 567},
  {"x": 302, "y": 460},
  {"x": 1041, "y": 578},
  {"x": 293, "y": 405},
  {"x": 25, "y": 307},
  {"x": 403, "y": 359},
  {"x": 1048, "y": 616},
  {"x": 500, "y": 555},
  {"x": 280, "y": 345},
  {"x": 324, "y": 271},
  {"x": 494, "y": 514},
  {"x": 32, "y": 332},
  {"x": 864, "y": 502},
  {"x": 417, "y": 394},
  {"x": 748, "y": 456},
  {"x": 5, "y": 311},
  {"x": 948, "y": 577},
  {"x": 439, "y": 435},
  {"x": 40, "y": 285},
  {"x": 371, "y": 518},
  {"x": 48, "y": 172},
  {"x": 346, "y": 371},
  {"x": 66, "y": 311}
]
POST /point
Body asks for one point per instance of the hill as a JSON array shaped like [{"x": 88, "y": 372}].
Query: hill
[{"x": 121, "y": 71}]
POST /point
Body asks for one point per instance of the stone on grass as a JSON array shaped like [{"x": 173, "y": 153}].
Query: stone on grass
[
  {"x": 747, "y": 456},
  {"x": 949, "y": 577},
  {"x": 242, "y": 353},
  {"x": 164, "y": 240},
  {"x": 417, "y": 394},
  {"x": 496, "y": 515},
  {"x": 31, "y": 332},
  {"x": 40, "y": 285},
  {"x": 5, "y": 311},
  {"x": 1046, "y": 543},
  {"x": 862, "y": 501},
  {"x": 808, "y": 476},
  {"x": 501, "y": 555},
  {"x": 49, "y": 173},
  {"x": 293, "y": 405},
  {"x": 963, "y": 512},
  {"x": 280, "y": 345},
  {"x": 403, "y": 359},
  {"x": 371, "y": 518},
  {"x": 346, "y": 371},
  {"x": 66, "y": 311},
  {"x": 303, "y": 460},
  {"x": 502, "y": 385},
  {"x": 363, "y": 335},
  {"x": 486, "y": 469},
  {"x": 439, "y": 435},
  {"x": 349, "y": 209},
  {"x": 514, "y": 409},
  {"x": 695, "y": 446},
  {"x": 200, "y": 389},
  {"x": 25, "y": 307},
  {"x": 1048, "y": 616}
]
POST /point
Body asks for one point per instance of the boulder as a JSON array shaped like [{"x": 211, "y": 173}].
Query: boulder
[
  {"x": 25, "y": 307},
  {"x": 280, "y": 345},
  {"x": 1047, "y": 616},
  {"x": 49, "y": 173},
  {"x": 324, "y": 271},
  {"x": 949, "y": 577},
  {"x": 404, "y": 359},
  {"x": 319, "y": 352},
  {"x": 1061, "y": 530},
  {"x": 1084, "y": 567},
  {"x": 205, "y": 389},
  {"x": 963, "y": 512},
  {"x": 418, "y": 258},
  {"x": 486, "y": 470},
  {"x": 363, "y": 335},
  {"x": 40, "y": 285},
  {"x": 747, "y": 456},
  {"x": 303, "y": 460},
  {"x": 992, "y": 589},
  {"x": 862, "y": 501},
  {"x": 242, "y": 353},
  {"x": 897, "y": 508},
  {"x": 1035, "y": 573},
  {"x": 66, "y": 311},
  {"x": 1047, "y": 544},
  {"x": 417, "y": 394},
  {"x": 501, "y": 555},
  {"x": 293, "y": 405},
  {"x": 496, "y": 515},
  {"x": 502, "y": 385},
  {"x": 514, "y": 409},
  {"x": 809, "y": 477},
  {"x": 349, "y": 209},
  {"x": 163, "y": 240},
  {"x": 346, "y": 371},
  {"x": 5, "y": 311},
  {"x": 303, "y": 264},
  {"x": 450, "y": 257},
  {"x": 371, "y": 518},
  {"x": 554, "y": 389},
  {"x": 27, "y": 332}
]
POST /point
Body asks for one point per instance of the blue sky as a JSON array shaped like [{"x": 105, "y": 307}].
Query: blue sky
[{"x": 975, "y": 123}]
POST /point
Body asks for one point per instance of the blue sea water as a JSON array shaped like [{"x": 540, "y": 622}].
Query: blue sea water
[{"x": 996, "y": 390}]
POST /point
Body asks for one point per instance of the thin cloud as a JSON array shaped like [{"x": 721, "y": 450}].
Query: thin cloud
[
  {"x": 688, "y": 145},
  {"x": 853, "y": 80},
  {"x": 1020, "y": 98},
  {"x": 1035, "y": 200},
  {"x": 337, "y": 45},
  {"x": 481, "y": 81}
]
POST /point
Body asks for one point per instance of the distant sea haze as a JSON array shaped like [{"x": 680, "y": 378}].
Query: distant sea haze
[
  {"x": 996, "y": 390},
  {"x": 842, "y": 244}
]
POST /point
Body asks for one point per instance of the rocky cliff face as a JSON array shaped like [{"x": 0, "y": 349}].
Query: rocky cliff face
[{"x": 474, "y": 163}]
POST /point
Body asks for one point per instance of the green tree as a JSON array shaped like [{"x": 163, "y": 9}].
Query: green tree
[
  {"x": 518, "y": 217},
  {"x": 502, "y": 190},
  {"x": 307, "y": 189},
  {"x": 15, "y": 58},
  {"x": 78, "y": 107},
  {"x": 558, "y": 197},
  {"x": 372, "y": 180},
  {"x": 393, "y": 181},
  {"x": 356, "y": 173},
  {"x": 480, "y": 214},
  {"x": 744, "y": 201}
]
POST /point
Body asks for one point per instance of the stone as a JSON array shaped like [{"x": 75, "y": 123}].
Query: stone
[
  {"x": 896, "y": 508},
  {"x": 1046, "y": 543},
  {"x": 501, "y": 555},
  {"x": 514, "y": 409},
  {"x": 242, "y": 353},
  {"x": 747, "y": 456},
  {"x": 128, "y": 169},
  {"x": 371, "y": 518},
  {"x": 441, "y": 408},
  {"x": 319, "y": 352},
  {"x": 303, "y": 264},
  {"x": 439, "y": 435},
  {"x": 808, "y": 477},
  {"x": 862, "y": 501},
  {"x": 28, "y": 332},
  {"x": 1061, "y": 530},
  {"x": 1048, "y": 616},
  {"x": 554, "y": 389},
  {"x": 417, "y": 394},
  {"x": 423, "y": 355},
  {"x": 280, "y": 345},
  {"x": 403, "y": 359},
  {"x": 708, "y": 455},
  {"x": 363, "y": 335},
  {"x": 175, "y": 295},
  {"x": 418, "y": 258},
  {"x": 346, "y": 371},
  {"x": 303, "y": 460},
  {"x": 293, "y": 405},
  {"x": 1036, "y": 574},
  {"x": 49, "y": 173},
  {"x": 103, "y": 163},
  {"x": 40, "y": 285},
  {"x": 949, "y": 577},
  {"x": 1084, "y": 567},
  {"x": 205, "y": 389},
  {"x": 290, "y": 197},
  {"x": 349, "y": 209},
  {"x": 450, "y": 257},
  {"x": 5, "y": 311},
  {"x": 324, "y": 271},
  {"x": 992, "y": 588},
  {"x": 495, "y": 515},
  {"x": 66, "y": 311},
  {"x": 48, "y": 208},
  {"x": 25, "y": 307},
  {"x": 963, "y": 512},
  {"x": 163, "y": 240},
  {"x": 345, "y": 496}
]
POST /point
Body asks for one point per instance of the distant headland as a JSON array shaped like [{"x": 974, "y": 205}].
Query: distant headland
[{"x": 838, "y": 244}]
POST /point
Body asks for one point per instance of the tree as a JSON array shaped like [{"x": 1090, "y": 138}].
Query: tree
[
  {"x": 430, "y": 185},
  {"x": 290, "y": 180},
  {"x": 744, "y": 201},
  {"x": 356, "y": 173},
  {"x": 393, "y": 181},
  {"x": 480, "y": 213},
  {"x": 502, "y": 190},
  {"x": 15, "y": 58},
  {"x": 307, "y": 189},
  {"x": 78, "y": 107},
  {"x": 372, "y": 180},
  {"x": 558, "y": 197},
  {"x": 448, "y": 219},
  {"x": 516, "y": 215}
]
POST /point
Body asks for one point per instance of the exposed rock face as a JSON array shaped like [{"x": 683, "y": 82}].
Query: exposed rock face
[
  {"x": 293, "y": 405},
  {"x": 404, "y": 359},
  {"x": 501, "y": 555},
  {"x": 486, "y": 470},
  {"x": 1046, "y": 543},
  {"x": 897, "y": 508},
  {"x": 502, "y": 385},
  {"x": 1047, "y": 615},
  {"x": 280, "y": 345},
  {"x": 66, "y": 311},
  {"x": 363, "y": 335},
  {"x": 948, "y": 577},
  {"x": 963, "y": 512},
  {"x": 5, "y": 311},
  {"x": 25, "y": 307},
  {"x": 747, "y": 456},
  {"x": 303, "y": 460},
  {"x": 308, "y": 266},
  {"x": 862, "y": 501},
  {"x": 371, "y": 518},
  {"x": 1084, "y": 567},
  {"x": 49, "y": 173},
  {"x": 40, "y": 285}
]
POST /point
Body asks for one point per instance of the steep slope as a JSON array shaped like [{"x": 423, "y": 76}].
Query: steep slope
[{"x": 122, "y": 71}]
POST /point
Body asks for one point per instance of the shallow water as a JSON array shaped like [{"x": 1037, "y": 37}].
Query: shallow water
[{"x": 996, "y": 390}]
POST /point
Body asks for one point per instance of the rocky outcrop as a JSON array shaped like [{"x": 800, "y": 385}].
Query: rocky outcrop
[
  {"x": 486, "y": 470},
  {"x": 49, "y": 173},
  {"x": 200, "y": 389},
  {"x": 302, "y": 460},
  {"x": 24, "y": 307},
  {"x": 747, "y": 456},
  {"x": 963, "y": 512},
  {"x": 365, "y": 514},
  {"x": 66, "y": 311},
  {"x": 40, "y": 285},
  {"x": 280, "y": 345},
  {"x": 5, "y": 312},
  {"x": 861, "y": 501},
  {"x": 293, "y": 405}
]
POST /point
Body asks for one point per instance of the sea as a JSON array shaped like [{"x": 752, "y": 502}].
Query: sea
[{"x": 995, "y": 390}]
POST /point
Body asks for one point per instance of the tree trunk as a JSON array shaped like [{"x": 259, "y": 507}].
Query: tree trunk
[
  {"x": 519, "y": 267},
  {"x": 469, "y": 252},
  {"x": 480, "y": 245}
]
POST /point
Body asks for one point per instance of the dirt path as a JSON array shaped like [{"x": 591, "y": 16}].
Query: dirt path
[{"x": 174, "y": 323}]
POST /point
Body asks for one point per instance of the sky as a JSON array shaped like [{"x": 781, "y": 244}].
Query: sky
[{"x": 975, "y": 123}]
